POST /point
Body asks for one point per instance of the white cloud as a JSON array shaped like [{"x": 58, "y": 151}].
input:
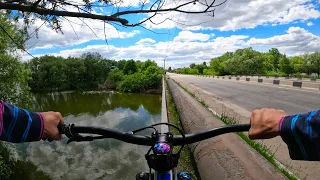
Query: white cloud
[
  {"x": 178, "y": 52},
  {"x": 145, "y": 41},
  {"x": 296, "y": 40},
  {"x": 237, "y": 14},
  {"x": 190, "y": 36},
  {"x": 74, "y": 32},
  {"x": 309, "y": 24}
]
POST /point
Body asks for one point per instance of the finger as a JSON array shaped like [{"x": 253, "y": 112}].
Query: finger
[
  {"x": 59, "y": 116},
  {"x": 280, "y": 110},
  {"x": 251, "y": 134}
]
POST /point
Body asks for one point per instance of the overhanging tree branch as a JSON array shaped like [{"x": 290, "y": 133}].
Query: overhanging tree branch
[{"x": 43, "y": 11}]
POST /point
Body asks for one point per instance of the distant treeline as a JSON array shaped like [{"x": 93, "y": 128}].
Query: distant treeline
[
  {"x": 91, "y": 71},
  {"x": 250, "y": 62}
]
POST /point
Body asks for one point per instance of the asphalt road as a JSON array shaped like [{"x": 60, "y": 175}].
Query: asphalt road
[
  {"x": 243, "y": 97},
  {"x": 252, "y": 96}
]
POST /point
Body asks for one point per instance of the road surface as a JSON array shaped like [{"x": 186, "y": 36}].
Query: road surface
[
  {"x": 252, "y": 96},
  {"x": 243, "y": 97}
]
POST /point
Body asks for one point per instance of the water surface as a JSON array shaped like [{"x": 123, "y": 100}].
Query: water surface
[{"x": 100, "y": 159}]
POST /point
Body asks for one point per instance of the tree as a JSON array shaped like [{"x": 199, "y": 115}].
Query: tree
[
  {"x": 54, "y": 11},
  {"x": 285, "y": 65},
  {"x": 169, "y": 69},
  {"x": 14, "y": 81},
  {"x": 192, "y": 66},
  {"x": 315, "y": 61},
  {"x": 200, "y": 68},
  {"x": 147, "y": 63},
  {"x": 121, "y": 64},
  {"x": 130, "y": 67},
  {"x": 297, "y": 63},
  {"x": 13, "y": 74},
  {"x": 11, "y": 36},
  {"x": 204, "y": 63},
  {"x": 275, "y": 58}
]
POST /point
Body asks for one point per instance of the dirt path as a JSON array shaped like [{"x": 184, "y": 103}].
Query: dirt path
[{"x": 222, "y": 157}]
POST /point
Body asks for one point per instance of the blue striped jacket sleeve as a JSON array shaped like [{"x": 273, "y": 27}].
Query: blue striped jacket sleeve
[
  {"x": 19, "y": 125},
  {"x": 301, "y": 132}
]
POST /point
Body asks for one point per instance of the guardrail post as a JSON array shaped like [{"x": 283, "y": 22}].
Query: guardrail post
[
  {"x": 276, "y": 82},
  {"x": 297, "y": 84}
]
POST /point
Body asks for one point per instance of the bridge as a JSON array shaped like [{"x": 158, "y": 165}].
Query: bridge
[{"x": 237, "y": 97}]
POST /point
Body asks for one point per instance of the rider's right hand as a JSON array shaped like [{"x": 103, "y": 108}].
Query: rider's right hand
[
  {"x": 265, "y": 123},
  {"x": 51, "y": 121}
]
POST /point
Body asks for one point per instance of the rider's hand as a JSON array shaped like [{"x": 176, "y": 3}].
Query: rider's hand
[
  {"x": 265, "y": 123},
  {"x": 51, "y": 121}
]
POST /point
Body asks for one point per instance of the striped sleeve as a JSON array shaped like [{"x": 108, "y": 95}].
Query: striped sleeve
[
  {"x": 19, "y": 125},
  {"x": 301, "y": 133}
]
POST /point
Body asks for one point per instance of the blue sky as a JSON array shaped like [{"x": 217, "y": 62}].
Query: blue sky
[{"x": 291, "y": 26}]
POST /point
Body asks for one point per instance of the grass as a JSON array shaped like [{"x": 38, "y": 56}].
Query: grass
[
  {"x": 259, "y": 147},
  {"x": 186, "y": 160}
]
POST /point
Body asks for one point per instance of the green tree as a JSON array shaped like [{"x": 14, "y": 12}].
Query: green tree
[
  {"x": 192, "y": 66},
  {"x": 169, "y": 69},
  {"x": 315, "y": 61},
  {"x": 276, "y": 55},
  {"x": 130, "y": 67},
  {"x": 285, "y": 65},
  {"x": 121, "y": 64},
  {"x": 8, "y": 30},
  {"x": 297, "y": 63},
  {"x": 147, "y": 63},
  {"x": 13, "y": 85}
]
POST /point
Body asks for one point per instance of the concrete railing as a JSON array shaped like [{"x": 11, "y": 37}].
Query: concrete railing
[
  {"x": 164, "y": 114},
  {"x": 293, "y": 82}
]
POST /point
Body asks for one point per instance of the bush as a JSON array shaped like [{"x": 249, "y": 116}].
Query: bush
[
  {"x": 298, "y": 75},
  {"x": 141, "y": 81}
]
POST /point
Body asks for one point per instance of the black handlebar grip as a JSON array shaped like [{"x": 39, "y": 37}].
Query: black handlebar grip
[{"x": 61, "y": 128}]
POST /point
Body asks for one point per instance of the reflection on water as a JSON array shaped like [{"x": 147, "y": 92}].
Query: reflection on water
[{"x": 100, "y": 159}]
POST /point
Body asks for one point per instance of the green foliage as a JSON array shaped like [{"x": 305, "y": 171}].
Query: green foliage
[
  {"x": 150, "y": 78},
  {"x": 146, "y": 64},
  {"x": 92, "y": 71},
  {"x": 250, "y": 62},
  {"x": 130, "y": 67},
  {"x": 13, "y": 85},
  {"x": 285, "y": 65},
  {"x": 17, "y": 34},
  {"x": 187, "y": 71},
  {"x": 14, "y": 89}
]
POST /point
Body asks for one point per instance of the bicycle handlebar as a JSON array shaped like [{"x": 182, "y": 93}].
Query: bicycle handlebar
[{"x": 129, "y": 137}]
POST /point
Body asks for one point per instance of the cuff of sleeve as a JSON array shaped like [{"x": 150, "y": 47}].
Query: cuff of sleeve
[
  {"x": 42, "y": 126},
  {"x": 288, "y": 137}
]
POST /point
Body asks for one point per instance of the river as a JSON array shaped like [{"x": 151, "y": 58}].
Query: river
[{"x": 99, "y": 159}]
